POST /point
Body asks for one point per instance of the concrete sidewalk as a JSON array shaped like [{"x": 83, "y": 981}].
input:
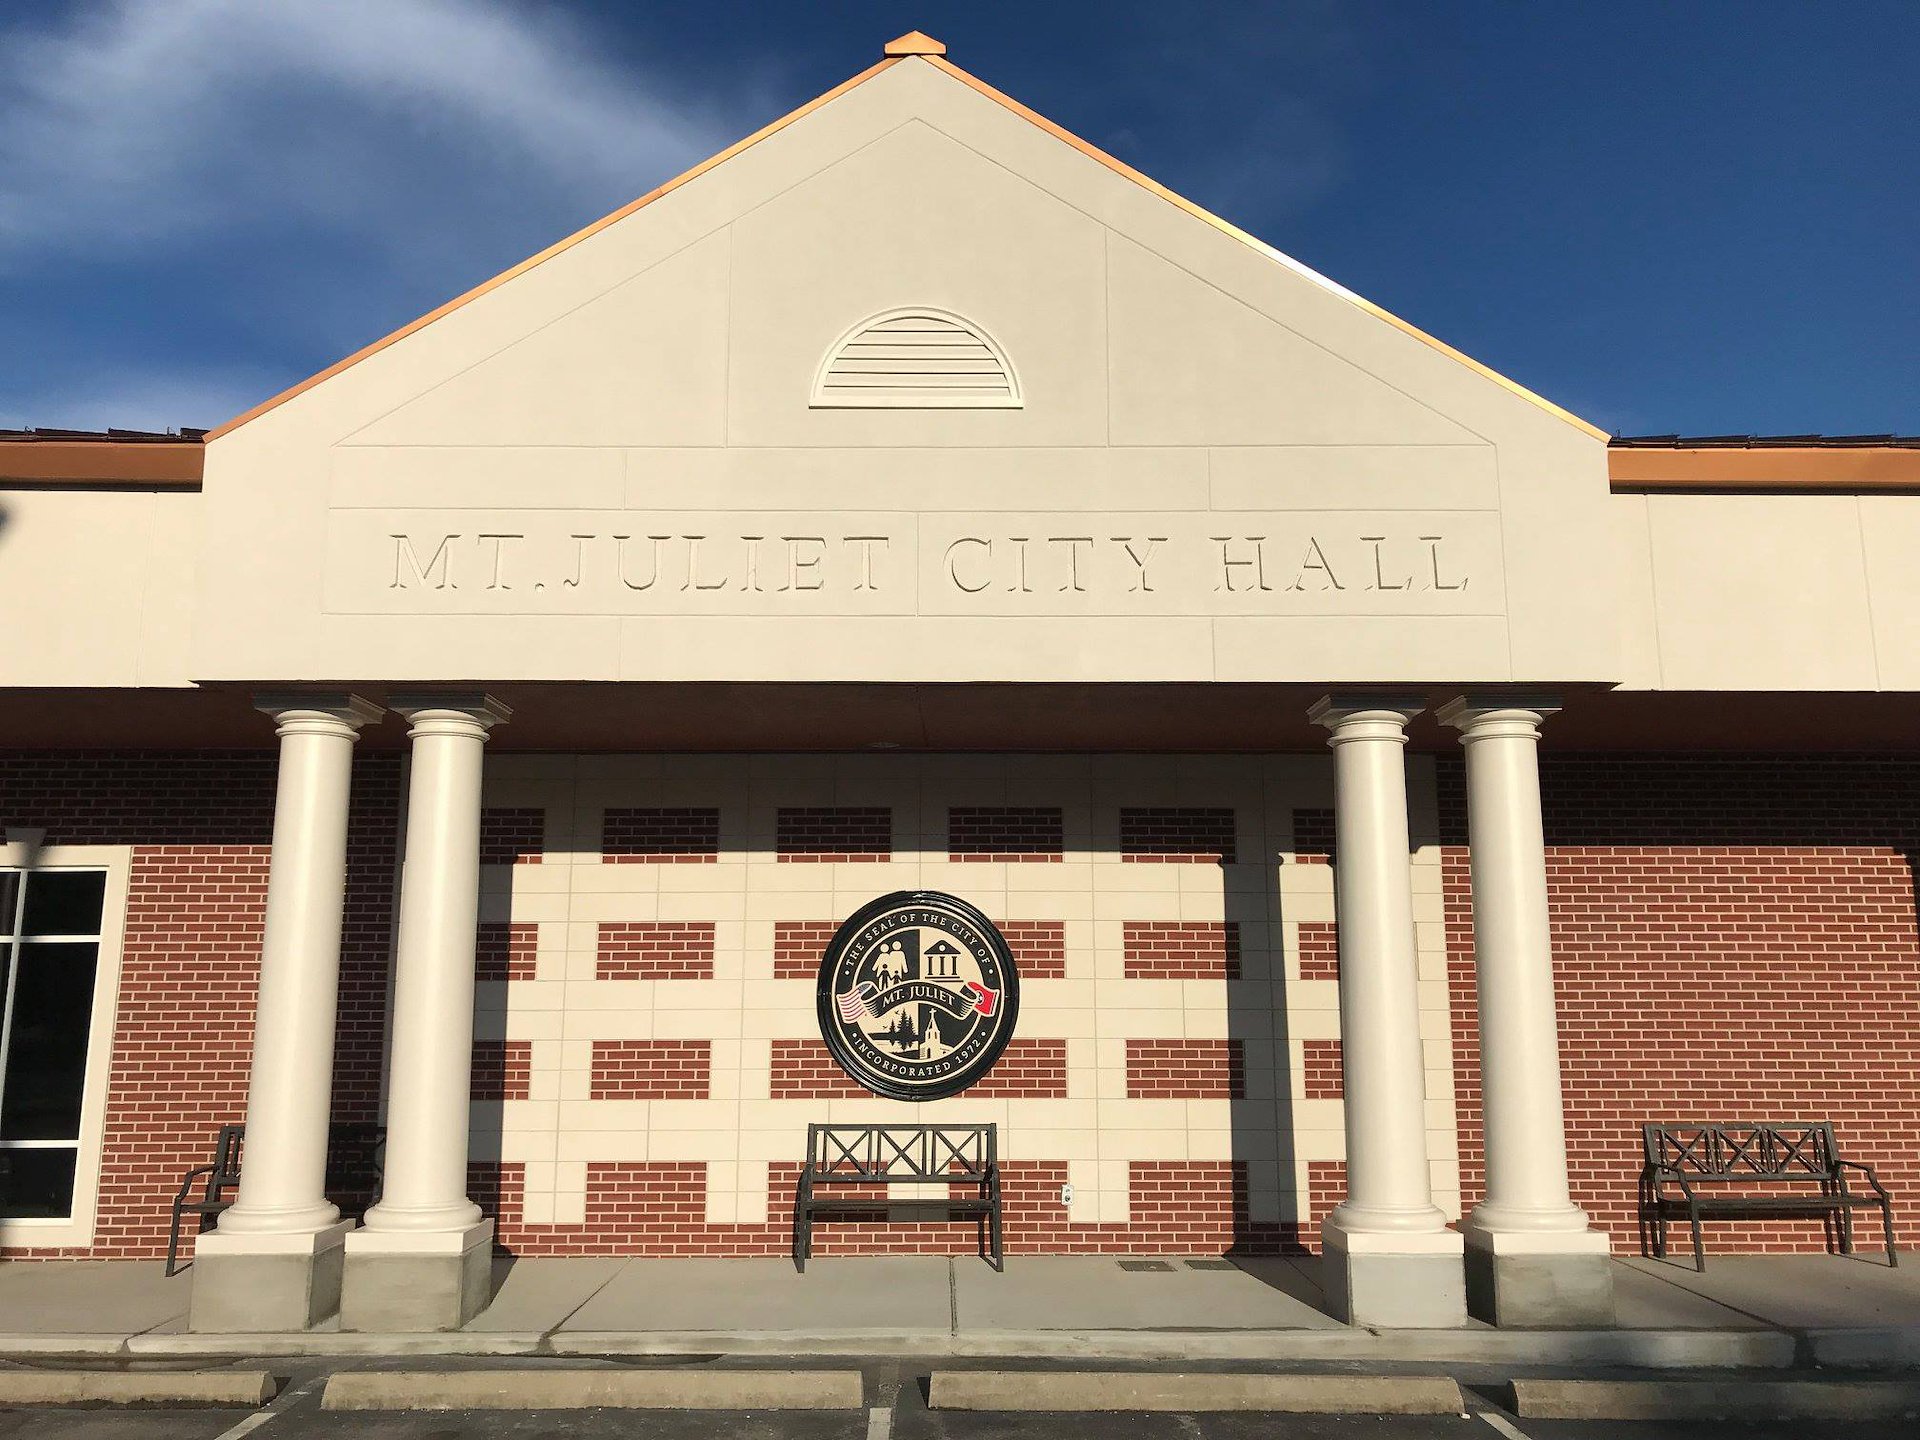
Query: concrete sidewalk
[{"x": 1762, "y": 1310}]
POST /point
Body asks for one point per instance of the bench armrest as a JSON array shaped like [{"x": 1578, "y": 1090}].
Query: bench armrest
[
  {"x": 186, "y": 1181},
  {"x": 1653, "y": 1175},
  {"x": 1867, "y": 1171}
]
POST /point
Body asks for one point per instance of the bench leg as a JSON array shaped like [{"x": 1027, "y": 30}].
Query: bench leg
[
  {"x": 1845, "y": 1219},
  {"x": 1886, "y": 1229},
  {"x": 999, "y": 1243},
  {"x": 173, "y": 1245},
  {"x": 1699, "y": 1250}
]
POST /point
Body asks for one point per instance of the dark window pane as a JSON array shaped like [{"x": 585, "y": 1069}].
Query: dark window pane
[
  {"x": 47, "y": 1050},
  {"x": 36, "y": 1184},
  {"x": 9, "y": 896},
  {"x": 64, "y": 902}
]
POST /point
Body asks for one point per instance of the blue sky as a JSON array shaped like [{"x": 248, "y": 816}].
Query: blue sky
[{"x": 1696, "y": 216}]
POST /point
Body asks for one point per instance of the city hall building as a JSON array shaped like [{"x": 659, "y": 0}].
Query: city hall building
[{"x": 914, "y": 622}]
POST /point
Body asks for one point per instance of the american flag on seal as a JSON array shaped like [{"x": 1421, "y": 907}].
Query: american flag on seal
[{"x": 855, "y": 1004}]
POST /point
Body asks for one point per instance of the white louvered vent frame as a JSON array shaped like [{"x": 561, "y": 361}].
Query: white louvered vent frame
[{"x": 916, "y": 358}]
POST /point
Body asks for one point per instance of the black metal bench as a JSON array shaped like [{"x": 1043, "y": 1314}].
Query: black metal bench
[
  {"x": 353, "y": 1167},
  {"x": 1687, "y": 1163},
  {"x": 887, "y": 1155}
]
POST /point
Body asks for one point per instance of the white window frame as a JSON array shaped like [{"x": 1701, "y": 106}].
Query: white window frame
[{"x": 77, "y": 1229}]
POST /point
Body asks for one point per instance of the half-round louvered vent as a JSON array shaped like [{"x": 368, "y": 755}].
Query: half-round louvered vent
[{"x": 912, "y": 359}]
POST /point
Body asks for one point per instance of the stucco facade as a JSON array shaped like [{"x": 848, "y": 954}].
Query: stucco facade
[{"x": 915, "y": 499}]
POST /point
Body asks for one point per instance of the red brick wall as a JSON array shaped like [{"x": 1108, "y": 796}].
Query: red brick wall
[
  {"x": 1039, "y": 948},
  {"x": 502, "y": 1069},
  {"x": 798, "y": 945},
  {"x": 654, "y": 950},
  {"x": 1320, "y": 948},
  {"x": 1179, "y": 835},
  {"x": 1181, "y": 949},
  {"x": 511, "y": 835},
  {"x": 1733, "y": 939},
  {"x": 660, "y": 836},
  {"x": 1008, "y": 834},
  {"x": 1179, "y": 1207},
  {"x": 652, "y": 1070},
  {"x": 1321, "y": 1062},
  {"x": 200, "y": 825},
  {"x": 1313, "y": 836},
  {"x": 1186, "y": 1070},
  {"x": 833, "y": 834},
  {"x": 505, "y": 951}
]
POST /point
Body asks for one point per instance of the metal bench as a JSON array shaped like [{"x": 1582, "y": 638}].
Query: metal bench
[
  {"x": 888, "y": 1155},
  {"x": 1686, "y": 1163},
  {"x": 353, "y": 1166}
]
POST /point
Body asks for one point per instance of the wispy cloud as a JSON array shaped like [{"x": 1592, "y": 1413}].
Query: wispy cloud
[{"x": 146, "y": 123}]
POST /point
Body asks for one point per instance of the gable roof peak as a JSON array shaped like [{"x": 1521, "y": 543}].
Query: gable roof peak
[{"x": 915, "y": 42}]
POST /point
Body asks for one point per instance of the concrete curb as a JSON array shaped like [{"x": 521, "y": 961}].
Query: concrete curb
[
  {"x": 1084, "y": 1390},
  {"x": 1715, "y": 1399},
  {"x": 578, "y": 1389},
  {"x": 1635, "y": 1349},
  {"x": 120, "y": 1387}
]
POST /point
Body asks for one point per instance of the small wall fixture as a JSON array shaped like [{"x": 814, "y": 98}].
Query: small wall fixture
[{"x": 917, "y": 358}]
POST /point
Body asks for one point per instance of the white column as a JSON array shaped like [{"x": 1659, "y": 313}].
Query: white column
[
  {"x": 1532, "y": 1256},
  {"x": 424, "y": 1184},
  {"x": 1391, "y": 1259},
  {"x": 290, "y": 1089}
]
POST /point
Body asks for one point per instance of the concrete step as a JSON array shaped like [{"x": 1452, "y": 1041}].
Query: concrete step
[
  {"x": 135, "y": 1387},
  {"x": 1731, "y": 1399},
  {"x": 579, "y": 1388},
  {"x": 1191, "y": 1391}
]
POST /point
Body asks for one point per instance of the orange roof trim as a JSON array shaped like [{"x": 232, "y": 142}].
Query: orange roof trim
[
  {"x": 1853, "y": 468},
  {"x": 916, "y": 45},
  {"x": 171, "y": 462}
]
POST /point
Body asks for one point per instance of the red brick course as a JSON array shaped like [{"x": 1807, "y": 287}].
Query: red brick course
[
  {"x": 1734, "y": 939},
  {"x": 654, "y": 950},
  {"x": 1313, "y": 836},
  {"x": 1322, "y": 1069},
  {"x": 1026, "y": 1070},
  {"x": 512, "y": 835},
  {"x": 502, "y": 1069},
  {"x": 1177, "y": 835},
  {"x": 674, "y": 835},
  {"x": 1181, "y": 949},
  {"x": 652, "y": 1070},
  {"x": 505, "y": 950},
  {"x": 798, "y": 946},
  {"x": 834, "y": 834},
  {"x": 1039, "y": 947},
  {"x": 1004, "y": 833},
  {"x": 1320, "y": 949},
  {"x": 1179, "y": 1207},
  {"x": 1186, "y": 1070}
]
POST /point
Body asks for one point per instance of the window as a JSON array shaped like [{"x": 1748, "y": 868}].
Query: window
[{"x": 50, "y": 944}]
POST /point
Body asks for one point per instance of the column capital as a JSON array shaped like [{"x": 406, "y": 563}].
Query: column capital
[
  {"x": 456, "y": 712},
  {"x": 1365, "y": 717},
  {"x": 317, "y": 712},
  {"x": 1483, "y": 716}
]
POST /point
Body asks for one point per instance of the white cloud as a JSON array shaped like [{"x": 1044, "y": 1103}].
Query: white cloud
[{"x": 144, "y": 126}]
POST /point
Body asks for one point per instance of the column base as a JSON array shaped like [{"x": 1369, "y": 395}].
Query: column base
[
  {"x": 1394, "y": 1281},
  {"x": 399, "y": 1280},
  {"x": 245, "y": 1283},
  {"x": 1550, "y": 1280}
]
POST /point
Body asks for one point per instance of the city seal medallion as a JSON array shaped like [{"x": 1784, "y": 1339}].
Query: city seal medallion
[{"x": 917, "y": 995}]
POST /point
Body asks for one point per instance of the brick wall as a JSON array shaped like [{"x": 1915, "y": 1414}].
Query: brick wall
[
  {"x": 505, "y": 951},
  {"x": 1733, "y": 938},
  {"x": 1039, "y": 947},
  {"x": 1320, "y": 945},
  {"x": 1322, "y": 1070},
  {"x": 833, "y": 834},
  {"x": 660, "y": 836},
  {"x": 1029, "y": 1069},
  {"x": 502, "y": 1069},
  {"x": 652, "y": 1070},
  {"x": 512, "y": 835},
  {"x": 199, "y": 825},
  {"x": 1186, "y": 1070},
  {"x": 1177, "y": 835},
  {"x": 1004, "y": 833},
  {"x": 1181, "y": 949},
  {"x": 654, "y": 950}
]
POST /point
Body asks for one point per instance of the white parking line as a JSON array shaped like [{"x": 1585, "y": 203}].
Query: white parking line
[
  {"x": 1499, "y": 1422},
  {"x": 879, "y": 1424},
  {"x": 278, "y": 1406}
]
